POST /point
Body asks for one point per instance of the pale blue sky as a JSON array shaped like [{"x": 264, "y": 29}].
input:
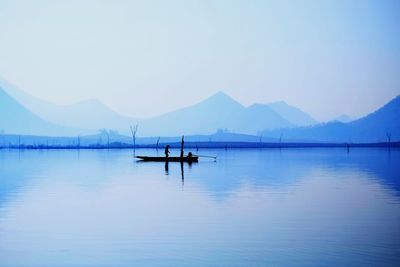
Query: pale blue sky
[{"x": 144, "y": 58}]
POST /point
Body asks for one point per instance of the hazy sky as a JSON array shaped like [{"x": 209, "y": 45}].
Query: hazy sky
[{"x": 144, "y": 58}]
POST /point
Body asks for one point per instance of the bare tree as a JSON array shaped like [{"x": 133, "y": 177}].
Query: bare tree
[
  {"x": 158, "y": 141},
  {"x": 389, "y": 137},
  {"x": 134, "y": 130},
  {"x": 182, "y": 144},
  {"x": 105, "y": 132}
]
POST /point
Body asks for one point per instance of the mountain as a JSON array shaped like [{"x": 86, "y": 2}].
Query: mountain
[
  {"x": 219, "y": 111},
  {"x": 343, "y": 118},
  {"x": 371, "y": 128},
  {"x": 21, "y": 113},
  {"x": 91, "y": 115},
  {"x": 292, "y": 114},
  {"x": 16, "y": 119}
]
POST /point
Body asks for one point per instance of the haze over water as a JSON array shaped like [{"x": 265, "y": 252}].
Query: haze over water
[{"x": 289, "y": 207}]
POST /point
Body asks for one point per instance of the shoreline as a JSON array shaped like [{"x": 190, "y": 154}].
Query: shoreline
[{"x": 206, "y": 145}]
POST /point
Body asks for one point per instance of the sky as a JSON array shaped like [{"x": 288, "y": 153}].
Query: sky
[{"x": 144, "y": 58}]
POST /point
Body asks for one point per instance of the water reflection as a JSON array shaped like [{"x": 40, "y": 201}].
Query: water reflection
[
  {"x": 251, "y": 207},
  {"x": 183, "y": 174},
  {"x": 182, "y": 170},
  {"x": 167, "y": 168}
]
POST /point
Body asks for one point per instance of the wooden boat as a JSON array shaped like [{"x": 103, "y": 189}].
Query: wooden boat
[{"x": 169, "y": 159}]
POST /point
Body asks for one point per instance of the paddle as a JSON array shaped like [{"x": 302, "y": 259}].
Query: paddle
[{"x": 202, "y": 156}]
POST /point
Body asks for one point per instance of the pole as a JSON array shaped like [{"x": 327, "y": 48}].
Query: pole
[{"x": 182, "y": 143}]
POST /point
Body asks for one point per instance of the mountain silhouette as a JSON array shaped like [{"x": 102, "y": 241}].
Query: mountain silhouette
[
  {"x": 91, "y": 114},
  {"x": 343, "y": 118},
  {"x": 371, "y": 128},
  {"x": 16, "y": 119},
  {"x": 292, "y": 114},
  {"x": 219, "y": 111}
]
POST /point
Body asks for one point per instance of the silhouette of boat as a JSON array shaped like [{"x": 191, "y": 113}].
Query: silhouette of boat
[{"x": 169, "y": 159}]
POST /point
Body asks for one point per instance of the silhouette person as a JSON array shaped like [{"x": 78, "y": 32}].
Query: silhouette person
[{"x": 166, "y": 151}]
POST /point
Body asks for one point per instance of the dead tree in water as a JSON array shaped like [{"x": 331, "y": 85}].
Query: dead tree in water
[
  {"x": 158, "y": 141},
  {"x": 389, "y": 137},
  {"x": 182, "y": 143},
  {"x": 102, "y": 133},
  {"x": 133, "y": 132}
]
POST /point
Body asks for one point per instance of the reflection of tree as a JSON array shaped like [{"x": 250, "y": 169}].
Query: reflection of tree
[{"x": 182, "y": 174}]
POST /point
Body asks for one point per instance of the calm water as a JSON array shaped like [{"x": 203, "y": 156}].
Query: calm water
[{"x": 295, "y": 207}]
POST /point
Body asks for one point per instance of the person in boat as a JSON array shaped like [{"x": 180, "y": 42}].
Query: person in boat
[
  {"x": 190, "y": 155},
  {"x": 167, "y": 151}
]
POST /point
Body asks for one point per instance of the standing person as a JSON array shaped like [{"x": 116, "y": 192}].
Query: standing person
[
  {"x": 166, "y": 151},
  {"x": 182, "y": 146}
]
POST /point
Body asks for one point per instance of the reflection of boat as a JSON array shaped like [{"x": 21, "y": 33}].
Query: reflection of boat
[{"x": 169, "y": 159}]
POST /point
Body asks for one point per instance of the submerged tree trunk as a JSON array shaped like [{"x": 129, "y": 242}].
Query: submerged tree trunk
[
  {"x": 134, "y": 131},
  {"x": 182, "y": 143}
]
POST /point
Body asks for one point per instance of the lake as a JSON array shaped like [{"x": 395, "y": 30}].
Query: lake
[{"x": 252, "y": 207}]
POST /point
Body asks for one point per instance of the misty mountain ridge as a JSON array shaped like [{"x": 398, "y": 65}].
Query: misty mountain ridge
[
  {"x": 205, "y": 118},
  {"x": 343, "y": 118},
  {"x": 294, "y": 115},
  {"x": 218, "y": 111},
  {"x": 372, "y": 128},
  {"x": 15, "y": 118},
  {"x": 87, "y": 115}
]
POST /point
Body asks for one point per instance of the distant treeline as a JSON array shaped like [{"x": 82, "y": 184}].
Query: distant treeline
[{"x": 198, "y": 145}]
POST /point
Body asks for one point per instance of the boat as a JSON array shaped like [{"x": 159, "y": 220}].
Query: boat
[{"x": 169, "y": 159}]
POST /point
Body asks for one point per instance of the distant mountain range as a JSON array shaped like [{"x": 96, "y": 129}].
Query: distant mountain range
[
  {"x": 89, "y": 116},
  {"x": 220, "y": 111},
  {"x": 372, "y": 128},
  {"x": 343, "y": 118},
  {"x": 21, "y": 113},
  {"x": 15, "y": 118},
  {"x": 216, "y": 112}
]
